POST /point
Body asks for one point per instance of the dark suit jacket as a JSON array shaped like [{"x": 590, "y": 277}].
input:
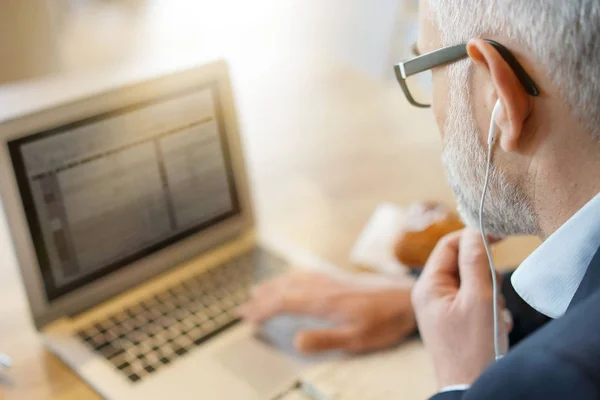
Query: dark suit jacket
[{"x": 556, "y": 359}]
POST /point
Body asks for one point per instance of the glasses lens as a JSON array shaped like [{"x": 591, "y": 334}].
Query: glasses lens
[{"x": 420, "y": 87}]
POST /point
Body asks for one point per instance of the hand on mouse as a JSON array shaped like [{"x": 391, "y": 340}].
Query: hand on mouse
[{"x": 365, "y": 318}]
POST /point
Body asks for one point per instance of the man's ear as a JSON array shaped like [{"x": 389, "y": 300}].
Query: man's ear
[{"x": 515, "y": 102}]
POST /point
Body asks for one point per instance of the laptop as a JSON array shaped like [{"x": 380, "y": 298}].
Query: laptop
[{"x": 131, "y": 219}]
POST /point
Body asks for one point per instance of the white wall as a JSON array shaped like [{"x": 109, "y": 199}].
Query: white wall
[
  {"x": 28, "y": 42},
  {"x": 50, "y": 36}
]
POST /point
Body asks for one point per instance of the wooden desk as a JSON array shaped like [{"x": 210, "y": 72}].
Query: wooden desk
[{"x": 325, "y": 145}]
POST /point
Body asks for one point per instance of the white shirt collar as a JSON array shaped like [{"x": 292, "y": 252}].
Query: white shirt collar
[{"x": 548, "y": 279}]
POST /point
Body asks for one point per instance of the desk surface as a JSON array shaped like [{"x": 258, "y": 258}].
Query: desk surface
[{"x": 325, "y": 146}]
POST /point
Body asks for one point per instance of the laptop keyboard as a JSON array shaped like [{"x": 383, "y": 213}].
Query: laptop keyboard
[{"x": 145, "y": 337}]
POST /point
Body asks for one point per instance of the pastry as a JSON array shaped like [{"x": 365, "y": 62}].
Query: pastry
[{"x": 424, "y": 225}]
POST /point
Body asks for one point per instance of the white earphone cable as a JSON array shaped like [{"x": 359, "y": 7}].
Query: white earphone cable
[{"x": 497, "y": 352}]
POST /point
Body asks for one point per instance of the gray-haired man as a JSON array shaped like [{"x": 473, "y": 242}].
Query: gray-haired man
[{"x": 540, "y": 60}]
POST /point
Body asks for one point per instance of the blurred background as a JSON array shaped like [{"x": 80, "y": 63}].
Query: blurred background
[
  {"x": 313, "y": 83},
  {"x": 59, "y": 36}
]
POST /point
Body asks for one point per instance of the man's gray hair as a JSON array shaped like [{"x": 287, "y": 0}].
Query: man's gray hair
[{"x": 563, "y": 36}]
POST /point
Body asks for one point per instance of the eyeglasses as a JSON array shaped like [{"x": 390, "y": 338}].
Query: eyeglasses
[{"x": 414, "y": 75}]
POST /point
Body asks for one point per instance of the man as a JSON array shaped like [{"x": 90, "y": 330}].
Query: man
[
  {"x": 544, "y": 182},
  {"x": 543, "y": 69}
]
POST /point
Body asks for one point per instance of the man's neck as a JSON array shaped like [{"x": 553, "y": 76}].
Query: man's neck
[{"x": 563, "y": 187}]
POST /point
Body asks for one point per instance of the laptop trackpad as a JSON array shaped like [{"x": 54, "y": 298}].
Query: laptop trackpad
[
  {"x": 268, "y": 360},
  {"x": 260, "y": 365}
]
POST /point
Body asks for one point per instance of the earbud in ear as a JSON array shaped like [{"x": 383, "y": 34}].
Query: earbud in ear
[{"x": 495, "y": 112}]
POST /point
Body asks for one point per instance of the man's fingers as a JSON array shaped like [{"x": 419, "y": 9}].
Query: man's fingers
[
  {"x": 508, "y": 320},
  {"x": 294, "y": 294},
  {"x": 472, "y": 261},
  {"x": 499, "y": 279},
  {"x": 353, "y": 339},
  {"x": 505, "y": 316},
  {"x": 256, "y": 311},
  {"x": 318, "y": 340},
  {"x": 264, "y": 302},
  {"x": 443, "y": 259},
  {"x": 501, "y": 302},
  {"x": 441, "y": 270},
  {"x": 268, "y": 305}
]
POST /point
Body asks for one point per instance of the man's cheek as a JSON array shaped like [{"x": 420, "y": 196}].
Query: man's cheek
[{"x": 441, "y": 97}]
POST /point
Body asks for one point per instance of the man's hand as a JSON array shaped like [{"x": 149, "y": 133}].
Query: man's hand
[
  {"x": 453, "y": 301},
  {"x": 365, "y": 318}
]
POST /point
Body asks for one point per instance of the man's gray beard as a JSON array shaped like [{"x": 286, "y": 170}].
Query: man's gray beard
[{"x": 507, "y": 210}]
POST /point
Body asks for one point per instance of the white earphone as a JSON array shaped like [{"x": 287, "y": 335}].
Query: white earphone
[
  {"x": 491, "y": 140},
  {"x": 492, "y": 134}
]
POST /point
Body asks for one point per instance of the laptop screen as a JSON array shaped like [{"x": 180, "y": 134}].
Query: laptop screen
[{"x": 103, "y": 192}]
